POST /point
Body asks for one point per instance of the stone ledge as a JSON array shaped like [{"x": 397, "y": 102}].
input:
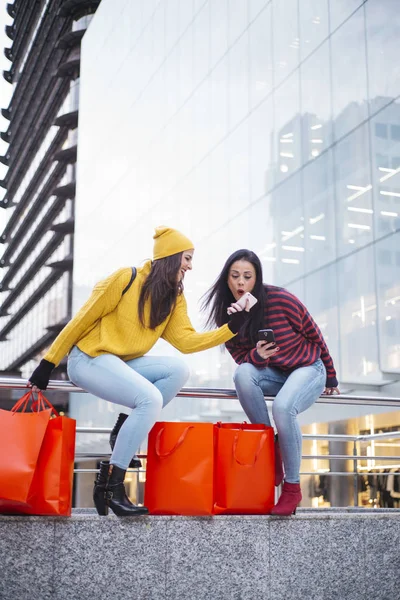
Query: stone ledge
[{"x": 322, "y": 555}]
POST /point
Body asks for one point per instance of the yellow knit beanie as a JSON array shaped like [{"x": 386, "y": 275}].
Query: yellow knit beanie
[{"x": 169, "y": 241}]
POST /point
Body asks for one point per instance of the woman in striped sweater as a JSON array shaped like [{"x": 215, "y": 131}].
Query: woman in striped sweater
[{"x": 296, "y": 369}]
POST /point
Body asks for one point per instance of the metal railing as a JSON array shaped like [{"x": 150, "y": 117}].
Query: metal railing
[{"x": 230, "y": 394}]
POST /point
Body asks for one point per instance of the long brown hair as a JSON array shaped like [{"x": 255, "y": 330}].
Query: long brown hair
[{"x": 162, "y": 287}]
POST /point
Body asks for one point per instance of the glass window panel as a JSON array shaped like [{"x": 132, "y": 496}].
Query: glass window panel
[
  {"x": 385, "y": 145},
  {"x": 358, "y": 315},
  {"x": 201, "y": 112},
  {"x": 219, "y": 184},
  {"x": 264, "y": 237},
  {"x": 321, "y": 299},
  {"x": 201, "y": 44},
  {"x": 186, "y": 14},
  {"x": 288, "y": 218},
  {"x": 237, "y": 15},
  {"x": 260, "y": 42},
  {"x": 255, "y": 6},
  {"x": 185, "y": 66},
  {"x": 287, "y": 151},
  {"x": 316, "y": 106},
  {"x": 388, "y": 279},
  {"x": 319, "y": 211},
  {"x": 218, "y": 118},
  {"x": 349, "y": 75},
  {"x": 238, "y": 149},
  {"x": 286, "y": 43},
  {"x": 314, "y": 26},
  {"x": 383, "y": 32},
  {"x": 261, "y": 127},
  {"x": 353, "y": 191},
  {"x": 238, "y": 81},
  {"x": 219, "y": 29},
  {"x": 339, "y": 10},
  {"x": 171, "y": 75},
  {"x": 297, "y": 288},
  {"x": 171, "y": 23}
]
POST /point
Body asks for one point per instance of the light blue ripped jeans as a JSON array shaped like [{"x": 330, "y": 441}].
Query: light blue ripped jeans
[
  {"x": 294, "y": 393},
  {"x": 144, "y": 384}
]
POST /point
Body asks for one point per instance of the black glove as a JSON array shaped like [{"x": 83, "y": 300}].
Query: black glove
[
  {"x": 237, "y": 320},
  {"x": 41, "y": 375}
]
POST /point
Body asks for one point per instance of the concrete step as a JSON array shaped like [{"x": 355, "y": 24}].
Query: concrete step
[{"x": 335, "y": 554}]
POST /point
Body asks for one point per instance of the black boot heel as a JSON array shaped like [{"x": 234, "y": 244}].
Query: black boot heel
[
  {"x": 100, "y": 504},
  {"x": 135, "y": 462}
]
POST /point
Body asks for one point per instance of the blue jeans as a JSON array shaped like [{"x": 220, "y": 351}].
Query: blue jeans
[
  {"x": 294, "y": 393},
  {"x": 144, "y": 384}
]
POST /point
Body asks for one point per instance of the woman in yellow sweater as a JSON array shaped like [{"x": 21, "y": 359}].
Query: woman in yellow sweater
[{"x": 107, "y": 341}]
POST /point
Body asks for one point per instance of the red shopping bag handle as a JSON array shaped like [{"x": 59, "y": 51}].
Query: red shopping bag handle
[
  {"x": 23, "y": 402},
  {"x": 260, "y": 447},
  {"x": 42, "y": 402},
  {"x": 178, "y": 443},
  {"x": 37, "y": 405}
]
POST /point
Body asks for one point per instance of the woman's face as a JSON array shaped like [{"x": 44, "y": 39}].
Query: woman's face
[
  {"x": 241, "y": 278},
  {"x": 186, "y": 263}
]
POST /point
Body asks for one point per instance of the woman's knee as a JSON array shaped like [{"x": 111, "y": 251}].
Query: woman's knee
[
  {"x": 284, "y": 406},
  {"x": 181, "y": 370},
  {"x": 243, "y": 374},
  {"x": 151, "y": 402}
]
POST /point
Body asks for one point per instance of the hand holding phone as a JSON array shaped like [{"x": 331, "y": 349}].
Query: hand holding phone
[
  {"x": 269, "y": 348},
  {"x": 247, "y": 296}
]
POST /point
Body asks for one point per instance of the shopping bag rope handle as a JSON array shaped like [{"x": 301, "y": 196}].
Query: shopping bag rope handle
[
  {"x": 178, "y": 443},
  {"x": 260, "y": 447},
  {"x": 23, "y": 402},
  {"x": 37, "y": 405},
  {"x": 42, "y": 402}
]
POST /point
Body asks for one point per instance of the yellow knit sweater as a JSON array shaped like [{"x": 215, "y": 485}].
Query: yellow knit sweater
[{"x": 109, "y": 323}]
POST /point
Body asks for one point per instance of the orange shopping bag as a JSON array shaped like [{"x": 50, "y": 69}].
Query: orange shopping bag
[
  {"x": 179, "y": 472},
  {"x": 47, "y": 471},
  {"x": 243, "y": 469},
  {"x": 52, "y": 483},
  {"x": 21, "y": 438}
]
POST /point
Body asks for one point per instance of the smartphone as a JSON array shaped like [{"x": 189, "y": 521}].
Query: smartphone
[
  {"x": 266, "y": 335},
  {"x": 242, "y": 301}
]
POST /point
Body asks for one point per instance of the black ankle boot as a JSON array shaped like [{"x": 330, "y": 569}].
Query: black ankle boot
[
  {"x": 109, "y": 492},
  {"x": 116, "y": 498},
  {"x": 135, "y": 462}
]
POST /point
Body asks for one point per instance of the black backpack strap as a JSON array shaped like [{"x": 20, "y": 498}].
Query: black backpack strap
[{"x": 130, "y": 281}]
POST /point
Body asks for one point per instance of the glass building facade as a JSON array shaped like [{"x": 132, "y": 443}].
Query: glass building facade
[
  {"x": 272, "y": 125},
  {"x": 268, "y": 125}
]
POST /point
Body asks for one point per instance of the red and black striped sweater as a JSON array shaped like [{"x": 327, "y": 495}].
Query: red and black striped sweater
[{"x": 299, "y": 338}]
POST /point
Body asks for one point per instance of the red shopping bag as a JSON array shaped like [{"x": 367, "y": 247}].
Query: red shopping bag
[
  {"x": 52, "y": 483},
  {"x": 243, "y": 469},
  {"x": 179, "y": 472},
  {"x": 49, "y": 474},
  {"x": 21, "y": 438}
]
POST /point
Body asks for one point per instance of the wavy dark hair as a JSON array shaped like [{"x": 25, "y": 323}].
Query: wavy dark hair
[
  {"x": 162, "y": 287},
  {"x": 217, "y": 299}
]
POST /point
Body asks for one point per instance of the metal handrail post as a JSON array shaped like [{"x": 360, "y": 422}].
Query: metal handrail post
[{"x": 355, "y": 480}]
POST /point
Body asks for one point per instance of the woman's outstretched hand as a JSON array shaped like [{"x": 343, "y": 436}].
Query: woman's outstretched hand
[{"x": 238, "y": 316}]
